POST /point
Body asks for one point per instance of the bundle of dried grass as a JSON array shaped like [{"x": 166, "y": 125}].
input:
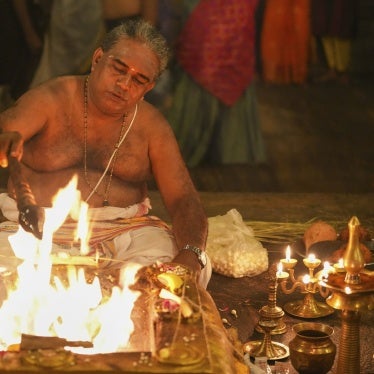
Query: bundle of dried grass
[{"x": 283, "y": 232}]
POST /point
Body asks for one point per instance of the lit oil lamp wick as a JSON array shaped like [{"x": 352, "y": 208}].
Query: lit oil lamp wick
[
  {"x": 280, "y": 273},
  {"x": 288, "y": 262},
  {"x": 339, "y": 266}
]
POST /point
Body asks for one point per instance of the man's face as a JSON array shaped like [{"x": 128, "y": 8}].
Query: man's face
[{"x": 123, "y": 75}]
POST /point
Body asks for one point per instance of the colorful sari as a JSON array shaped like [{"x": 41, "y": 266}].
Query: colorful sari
[
  {"x": 285, "y": 41},
  {"x": 214, "y": 110}
]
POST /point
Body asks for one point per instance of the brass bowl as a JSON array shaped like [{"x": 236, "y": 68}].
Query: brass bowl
[{"x": 311, "y": 350}]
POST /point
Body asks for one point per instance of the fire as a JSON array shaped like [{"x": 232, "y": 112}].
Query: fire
[{"x": 76, "y": 311}]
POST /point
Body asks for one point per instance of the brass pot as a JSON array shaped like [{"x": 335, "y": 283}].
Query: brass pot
[{"x": 311, "y": 350}]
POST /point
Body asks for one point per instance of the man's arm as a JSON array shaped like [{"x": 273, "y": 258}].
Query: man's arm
[
  {"x": 179, "y": 195},
  {"x": 22, "y": 121}
]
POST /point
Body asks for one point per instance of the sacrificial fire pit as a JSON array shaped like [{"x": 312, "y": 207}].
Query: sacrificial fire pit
[{"x": 71, "y": 313}]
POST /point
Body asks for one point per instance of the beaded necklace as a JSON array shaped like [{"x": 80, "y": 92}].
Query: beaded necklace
[{"x": 113, "y": 157}]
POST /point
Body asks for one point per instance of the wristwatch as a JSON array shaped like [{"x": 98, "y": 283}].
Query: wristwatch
[{"x": 201, "y": 255}]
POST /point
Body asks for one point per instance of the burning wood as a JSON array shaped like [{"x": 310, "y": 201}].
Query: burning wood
[{"x": 32, "y": 342}]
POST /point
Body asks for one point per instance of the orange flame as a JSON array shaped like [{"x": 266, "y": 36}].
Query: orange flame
[{"x": 38, "y": 305}]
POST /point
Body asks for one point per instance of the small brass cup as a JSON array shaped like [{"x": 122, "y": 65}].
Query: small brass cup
[{"x": 311, "y": 350}]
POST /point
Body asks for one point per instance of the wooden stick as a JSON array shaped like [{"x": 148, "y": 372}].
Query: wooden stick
[
  {"x": 22, "y": 189},
  {"x": 31, "y": 216},
  {"x": 30, "y": 342}
]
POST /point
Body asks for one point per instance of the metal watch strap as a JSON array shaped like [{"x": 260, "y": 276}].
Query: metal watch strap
[{"x": 199, "y": 253}]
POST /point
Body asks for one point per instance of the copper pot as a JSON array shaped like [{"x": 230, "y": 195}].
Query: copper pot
[{"x": 311, "y": 350}]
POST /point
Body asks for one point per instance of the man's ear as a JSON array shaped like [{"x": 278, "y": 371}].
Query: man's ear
[
  {"x": 150, "y": 86},
  {"x": 96, "y": 57}
]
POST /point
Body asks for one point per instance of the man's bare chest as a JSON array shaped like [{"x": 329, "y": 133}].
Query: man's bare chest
[{"x": 93, "y": 152}]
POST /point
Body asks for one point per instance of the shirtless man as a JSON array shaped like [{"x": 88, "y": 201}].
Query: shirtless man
[{"x": 71, "y": 126}]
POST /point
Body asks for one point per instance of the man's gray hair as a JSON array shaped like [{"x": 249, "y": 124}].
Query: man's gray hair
[{"x": 144, "y": 32}]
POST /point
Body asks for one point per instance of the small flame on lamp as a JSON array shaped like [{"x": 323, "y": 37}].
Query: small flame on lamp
[
  {"x": 288, "y": 253},
  {"x": 326, "y": 269},
  {"x": 279, "y": 269},
  {"x": 347, "y": 290},
  {"x": 311, "y": 257},
  {"x": 306, "y": 278}
]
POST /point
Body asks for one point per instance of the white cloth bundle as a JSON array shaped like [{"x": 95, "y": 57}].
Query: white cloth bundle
[{"x": 232, "y": 247}]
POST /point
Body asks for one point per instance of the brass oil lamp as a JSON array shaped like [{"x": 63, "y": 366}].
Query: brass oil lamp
[
  {"x": 352, "y": 293},
  {"x": 272, "y": 311},
  {"x": 270, "y": 323},
  {"x": 308, "y": 307},
  {"x": 266, "y": 347}
]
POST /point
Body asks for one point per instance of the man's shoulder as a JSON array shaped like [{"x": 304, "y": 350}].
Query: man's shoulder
[
  {"x": 154, "y": 125},
  {"x": 54, "y": 91},
  {"x": 49, "y": 97},
  {"x": 150, "y": 113},
  {"x": 62, "y": 85}
]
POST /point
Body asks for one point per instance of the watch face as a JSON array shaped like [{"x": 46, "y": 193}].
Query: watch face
[
  {"x": 203, "y": 258},
  {"x": 201, "y": 255}
]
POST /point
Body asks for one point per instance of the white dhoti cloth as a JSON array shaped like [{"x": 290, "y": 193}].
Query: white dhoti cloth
[{"x": 124, "y": 235}]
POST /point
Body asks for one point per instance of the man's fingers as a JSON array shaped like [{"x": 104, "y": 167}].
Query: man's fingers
[
  {"x": 11, "y": 145},
  {"x": 4, "y": 162}
]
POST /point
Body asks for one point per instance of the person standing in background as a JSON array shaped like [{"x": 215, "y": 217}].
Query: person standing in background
[
  {"x": 23, "y": 24},
  {"x": 75, "y": 30},
  {"x": 334, "y": 24},
  {"x": 285, "y": 41},
  {"x": 115, "y": 11},
  {"x": 214, "y": 108}
]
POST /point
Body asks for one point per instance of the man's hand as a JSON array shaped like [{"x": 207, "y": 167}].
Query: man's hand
[
  {"x": 189, "y": 259},
  {"x": 11, "y": 144}
]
